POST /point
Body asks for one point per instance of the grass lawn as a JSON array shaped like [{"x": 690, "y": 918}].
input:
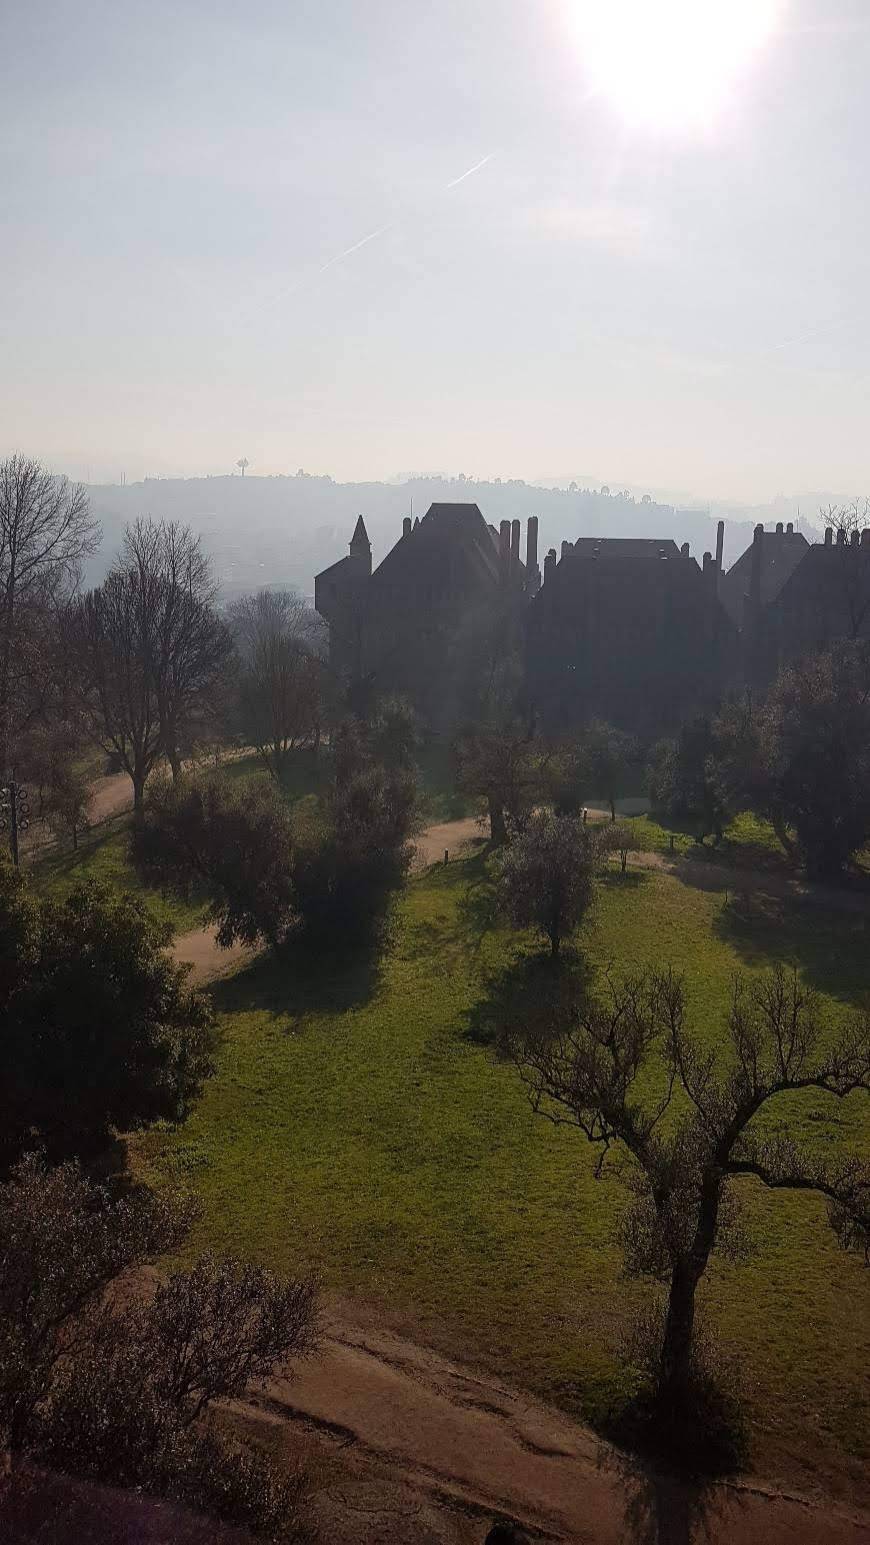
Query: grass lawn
[
  {"x": 360, "y": 1123},
  {"x": 102, "y": 855}
]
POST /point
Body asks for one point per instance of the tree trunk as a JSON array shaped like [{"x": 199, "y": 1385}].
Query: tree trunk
[
  {"x": 138, "y": 795},
  {"x": 676, "y": 1356},
  {"x": 612, "y": 804},
  {"x": 497, "y": 827}
]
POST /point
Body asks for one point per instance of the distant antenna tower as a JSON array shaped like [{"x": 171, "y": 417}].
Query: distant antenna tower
[{"x": 242, "y": 463}]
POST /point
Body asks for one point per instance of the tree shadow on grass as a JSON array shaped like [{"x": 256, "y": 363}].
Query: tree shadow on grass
[
  {"x": 533, "y": 999},
  {"x": 831, "y": 950},
  {"x": 665, "y": 1509},
  {"x": 301, "y": 980}
]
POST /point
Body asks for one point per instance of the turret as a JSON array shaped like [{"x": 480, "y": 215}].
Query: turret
[{"x": 361, "y": 550}]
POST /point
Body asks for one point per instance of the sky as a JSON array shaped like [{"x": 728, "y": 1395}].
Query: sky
[{"x": 372, "y": 237}]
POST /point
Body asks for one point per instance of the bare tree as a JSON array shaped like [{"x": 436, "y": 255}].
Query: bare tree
[
  {"x": 281, "y": 686},
  {"x": 192, "y": 646},
  {"x": 850, "y": 522},
  {"x": 613, "y": 1071},
  {"x": 111, "y": 632},
  {"x": 45, "y": 533}
]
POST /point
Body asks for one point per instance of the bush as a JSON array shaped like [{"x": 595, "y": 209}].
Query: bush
[
  {"x": 545, "y": 877},
  {"x": 349, "y": 862},
  {"x": 62, "y": 1240},
  {"x": 117, "y": 1388},
  {"x": 101, "y": 1029},
  {"x": 234, "y": 841}
]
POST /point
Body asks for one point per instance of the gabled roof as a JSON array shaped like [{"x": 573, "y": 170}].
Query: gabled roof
[{"x": 781, "y": 552}]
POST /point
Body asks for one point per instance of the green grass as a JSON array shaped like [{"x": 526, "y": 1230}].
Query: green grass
[
  {"x": 357, "y": 1122},
  {"x": 748, "y": 841},
  {"x": 103, "y": 855}
]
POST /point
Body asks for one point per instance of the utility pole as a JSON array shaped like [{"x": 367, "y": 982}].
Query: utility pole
[{"x": 14, "y": 812}]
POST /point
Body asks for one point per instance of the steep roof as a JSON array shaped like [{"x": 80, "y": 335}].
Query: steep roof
[
  {"x": 445, "y": 530},
  {"x": 360, "y": 536},
  {"x": 781, "y": 552}
]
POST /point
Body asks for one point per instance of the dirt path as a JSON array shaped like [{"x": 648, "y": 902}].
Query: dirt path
[
  {"x": 414, "y": 1431},
  {"x": 109, "y": 796},
  {"x": 447, "y": 836}
]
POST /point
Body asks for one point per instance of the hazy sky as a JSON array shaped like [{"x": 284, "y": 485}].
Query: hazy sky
[{"x": 645, "y": 297}]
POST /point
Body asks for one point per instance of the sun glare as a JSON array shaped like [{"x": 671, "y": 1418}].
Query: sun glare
[{"x": 671, "y": 64}]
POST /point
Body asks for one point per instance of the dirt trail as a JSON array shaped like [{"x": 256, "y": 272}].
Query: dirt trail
[{"x": 419, "y": 1430}]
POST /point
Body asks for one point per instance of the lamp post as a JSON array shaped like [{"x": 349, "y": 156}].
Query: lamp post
[{"x": 14, "y": 812}]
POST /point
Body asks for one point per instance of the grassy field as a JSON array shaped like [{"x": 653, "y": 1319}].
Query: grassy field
[
  {"x": 103, "y": 855},
  {"x": 360, "y": 1122}
]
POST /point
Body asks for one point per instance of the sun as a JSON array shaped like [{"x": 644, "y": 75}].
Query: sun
[{"x": 671, "y": 64}]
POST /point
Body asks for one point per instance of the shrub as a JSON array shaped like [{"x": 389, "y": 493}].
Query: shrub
[
  {"x": 545, "y": 876},
  {"x": 101, "y": 1028},
  {"x": 233, "y": 840},
  {"x": 116, "y": 1387}
]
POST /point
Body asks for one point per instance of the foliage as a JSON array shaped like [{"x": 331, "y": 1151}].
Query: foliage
[
  {"x": 595, "y": 1075},
  {"x": 814, "y": 736},
  {"x": 66, "y": 801},
  {"x": 504, "y": 764},
  {"x": 230, "y": 838},
  {"x": 607, "y": 758},
  {"x": 545, "y": 876},
  {"x": 683, "y": 778},
  {"x": 115, "y": 1386},
  {"x": 101, "y": 1030},
  {"x": 351, "y": 859},
  {"x": 622, "y": 837},
  {"x": 63, "y": 1239}
]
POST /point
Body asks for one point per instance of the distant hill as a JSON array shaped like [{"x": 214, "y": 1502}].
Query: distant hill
[{"x": 282, "y": 530}]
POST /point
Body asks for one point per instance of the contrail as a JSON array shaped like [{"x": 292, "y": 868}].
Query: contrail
[
  {"x": 471, "y": 171},
  {"x": 372, "y": 236},
  {"x": 338, "y": 257}
]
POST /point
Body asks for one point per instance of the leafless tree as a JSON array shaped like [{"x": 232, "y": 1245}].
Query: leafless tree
[
  {"x": 279, "y": 640},
  {"x": 45, "y": 533},
  {"x": 193, "y": 648},
  {"x": 112, "y": 633},
  {"x": 850, "y": 521},
  {"x": 614, "y": 1069}
]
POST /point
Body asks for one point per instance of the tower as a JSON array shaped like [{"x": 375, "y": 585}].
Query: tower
[{"x": 361, "y": 550}]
